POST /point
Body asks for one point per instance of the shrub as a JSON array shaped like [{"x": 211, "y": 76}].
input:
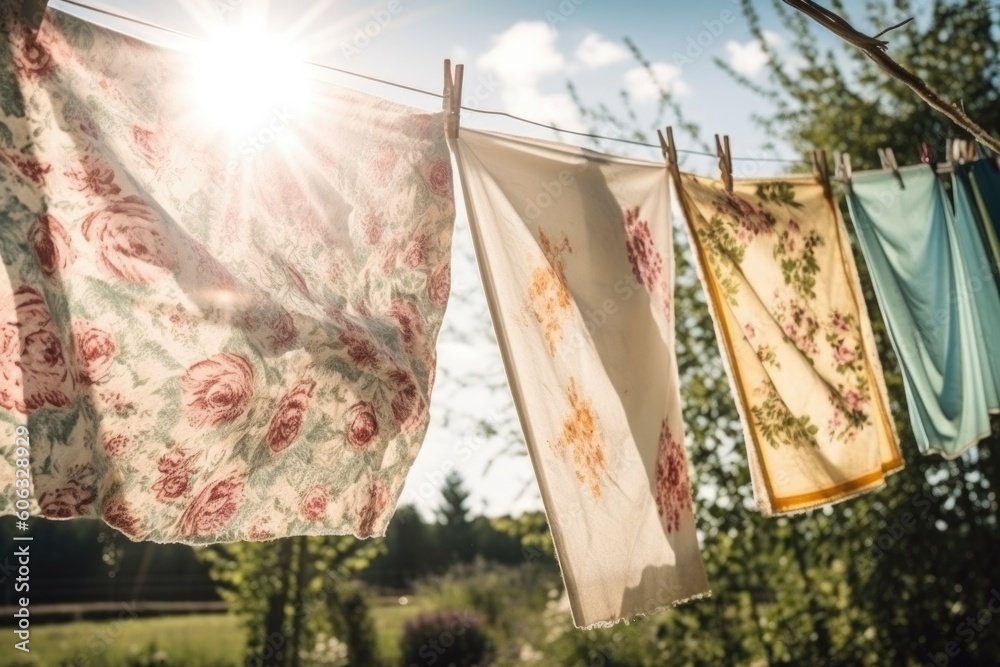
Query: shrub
[
  {"x": 502, "y": 596},
  {"x": 509, "y": 601},
  {"x": 445, "y": 638}
]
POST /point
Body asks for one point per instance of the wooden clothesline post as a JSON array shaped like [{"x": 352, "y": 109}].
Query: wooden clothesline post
[{"x": 875, "y": 49}]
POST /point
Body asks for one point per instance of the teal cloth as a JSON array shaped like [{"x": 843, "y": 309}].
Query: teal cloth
[
  {"x": 988, "y": 179},
  {"x": 985, "y": 182},
  {"x": 926, "y": 264},
  {"x": 972, "y": 204},
  {"x": 982, "y": 289}
]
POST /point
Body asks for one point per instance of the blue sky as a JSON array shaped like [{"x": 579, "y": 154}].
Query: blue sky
[{"x": 519, "y": 55}]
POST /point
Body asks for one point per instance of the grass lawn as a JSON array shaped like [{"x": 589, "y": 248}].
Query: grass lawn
[
  {"x": 390, "y": 617},
  {"x": 205, "y": 640},
  {"x": 197, "y": 640}
]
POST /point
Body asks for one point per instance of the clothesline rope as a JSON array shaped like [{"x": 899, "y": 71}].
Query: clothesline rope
[{"x": 403, "y": 86}]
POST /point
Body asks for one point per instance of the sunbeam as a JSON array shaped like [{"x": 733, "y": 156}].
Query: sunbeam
[{"x": 247, "y": 81}]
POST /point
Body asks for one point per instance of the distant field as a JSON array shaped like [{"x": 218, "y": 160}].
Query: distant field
[
  {"x": 211, "y": 640},
  {"x": 202, "y": 640}
]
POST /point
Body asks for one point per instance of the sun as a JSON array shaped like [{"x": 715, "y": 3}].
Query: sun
[{"x": 245, "y": 80}]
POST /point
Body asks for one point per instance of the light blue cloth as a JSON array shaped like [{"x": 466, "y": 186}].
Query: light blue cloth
[{"x": 927, "y": 267}]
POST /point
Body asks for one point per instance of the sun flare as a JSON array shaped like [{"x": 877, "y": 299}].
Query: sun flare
[{"x": 246, "y": 80}]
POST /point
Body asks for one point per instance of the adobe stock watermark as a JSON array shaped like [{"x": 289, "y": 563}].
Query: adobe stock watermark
[
  {"x": 379, "y": 20},
  {"x": 563, "y": 11},
  {"x": 479, "y": 91},
  {"x": 699, "y": 43},
  {"x": 967, "y": 631},
  {"x": 550, "y": 191},
  {"x": 225, "y": 7},
  {"x": 433, "y": 649},
  {"x": 624, "y": 288},
  {"x": 313, "y": 602},
  {"x": 272, "y": 645},
  {"x": 462, "y": 450},
  {"x": 755, "y": 162},
  {"x": 101, "y": 640},
  {"x": 665, "y": 595},
  {"x": 601, "y": 658},
  {"x": 964, "y": 292},
  {"x": 257, "y": 141},
  {"x": 892, "y": 532}
]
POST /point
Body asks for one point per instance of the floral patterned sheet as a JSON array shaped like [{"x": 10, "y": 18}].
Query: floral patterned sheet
[
  {"x": 776, "y": 263},
  {"x": 576, "y": 253},
  {"x": 206, "y": 346}
]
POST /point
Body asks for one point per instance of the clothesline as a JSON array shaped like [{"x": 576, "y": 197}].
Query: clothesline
[
  {"x": 439, "y": 96},
  {"x": 282, "y": 382}
]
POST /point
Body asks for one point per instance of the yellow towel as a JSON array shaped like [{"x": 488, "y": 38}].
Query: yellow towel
[{"x": 776, "y": 263}]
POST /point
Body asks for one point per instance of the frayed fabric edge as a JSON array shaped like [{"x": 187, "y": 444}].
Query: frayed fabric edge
[
  {"x": 961, "y": 451},
  {"x": 627, "y": 620},
  {"x": 829, "y": 502}
]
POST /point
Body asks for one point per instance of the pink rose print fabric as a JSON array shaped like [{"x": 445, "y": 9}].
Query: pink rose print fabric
[
  {"x": 205, "y": 346},
  {"x": 576, "y": 251},
  {"x": 790, "y": 315}
]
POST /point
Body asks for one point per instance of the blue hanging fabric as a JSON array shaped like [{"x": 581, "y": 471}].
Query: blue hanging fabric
[
  {"x": 930, "y": 269},
  {"x": 981, "y": 290},
  {"x": 983, "y": 182}
]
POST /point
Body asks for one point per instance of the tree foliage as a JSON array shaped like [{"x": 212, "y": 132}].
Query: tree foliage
[
  {"x": 291, "y": 591},
  {"x": 454, "y": 517},
  {"x": 892, "y": 577},
  {"x": 415, "y": 549},
  {"x": 830, "y": 95}
]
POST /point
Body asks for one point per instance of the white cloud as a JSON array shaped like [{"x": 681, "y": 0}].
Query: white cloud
[
  {"x": 749, "y": 59},
  {"x": 595, "y": 51},
  {"x": 645, "y": 89},
  {"x": 524, "y": 53},
  {"x": 521, "y": 57}
]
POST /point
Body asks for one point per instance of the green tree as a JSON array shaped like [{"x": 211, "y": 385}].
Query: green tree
[
  {"x": 493, "y": 545},
  {"x": 893, "y": 576},
  {"x": 827, "y": 94},
  {"x": 290, "y": 591},
  {"x": 352, "y": 621},
  {"x": 456, "y": 533},
  {"x": 411, "y": 552},
  {"x": 916, "y": 595}
]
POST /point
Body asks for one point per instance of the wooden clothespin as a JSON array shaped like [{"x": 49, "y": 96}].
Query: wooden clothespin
[
  {"x": 888, "y": 159},
  {"x": 451, "y": 99},
  {"x": 949, "y": 163},
  {"x": 33, "y": 13},
  {"x": 725, "y": 161},
  {"x": 843, "y": 163},
  {"x": 822, "y": 172},
  {"x": 962, "y": 151},
  {"x": 670, "y": 153},
  {"x": 971, "y": 150}
]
